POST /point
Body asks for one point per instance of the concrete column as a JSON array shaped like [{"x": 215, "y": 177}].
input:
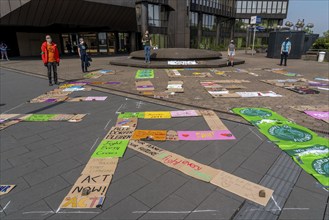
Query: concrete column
[
  {"x": 132, "y": 41},
  {"x": 144, "y": 17},
  {"x": 199, "y": 28},
  {"x": 218, "y": 20},
  {"x": 232, "y": 22}
]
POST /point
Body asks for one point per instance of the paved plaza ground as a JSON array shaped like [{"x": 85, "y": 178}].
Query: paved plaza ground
[{"x": 44, "y": 159}]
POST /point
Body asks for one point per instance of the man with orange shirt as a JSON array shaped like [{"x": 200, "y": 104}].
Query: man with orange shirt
[{"x": 50, "y": 58}]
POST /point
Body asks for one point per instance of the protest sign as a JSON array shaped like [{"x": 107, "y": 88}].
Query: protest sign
[
  {"x": 110, "y": 148},
  {"x": 149, "y": 135}
]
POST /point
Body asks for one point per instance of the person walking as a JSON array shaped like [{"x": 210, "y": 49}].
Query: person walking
[
  {"x": 231, "y": 53},
  {"x": 82, "y": 50},
  {"x": 285, "y": 51},
  {"x": 3, "y": 49},
  {"x": 147, "y": 42},
  {"x": 50, "y": 58}
]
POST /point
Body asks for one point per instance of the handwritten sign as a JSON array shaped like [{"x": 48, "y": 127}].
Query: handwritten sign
[
  {"x": 40, "y": 117},
  {"x": 76, "y": 99},
  {"x": 318, "y": 114},
  {"x": 131, "y": 115},
  {"x": 96, "y": 98},
  {"x": 77, "y": 117},
  {"x": 62, "y": 117},
  {"x": 150, "y": 135},
  {"x": 119, "y": 133},
  {"x": 145, "y": 148},
  {"x": 110, "y": 148},
  {"x": 127, "y": 122},
  {"x": 172, "y": 135},
  {"x": 184, "y": 113},
  {"x": 4, "y": 189},
  {"x": 101, "y": 166},
  {"x": 8, "y": 116},
  {"x": 157, "y": 115},
  {"x": 242, "y": 187},
  {"x": 80, "y": 202},
  {"x": 145, "y": 74},
  {"x": 144, "y": 86},
  {"x": 6, "y": 124},
  {"x": 205, "y": 135},
  {"x": 213, "y": 120}
]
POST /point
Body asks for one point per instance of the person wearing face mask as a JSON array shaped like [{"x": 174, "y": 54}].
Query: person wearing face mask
[
  {"x": 285, "y": 51},
  {"x": 147, "y": 42},
  {"x": 50, "y": 58},
  {"x": 82, "y": 50}
]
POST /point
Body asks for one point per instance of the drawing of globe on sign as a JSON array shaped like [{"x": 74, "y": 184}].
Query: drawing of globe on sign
[
  {"x": 321, "y": 166},
  {"x": 288, "y": 133},
  {"x": 256, "y": 112}
]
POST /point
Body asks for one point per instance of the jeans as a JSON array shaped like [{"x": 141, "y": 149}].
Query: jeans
[
  {"x": 52, "y": 67},
  {"x": 284, "y": 57},
  {"x": 84, "y": 62},
  {"x": 147, "y": 50}
]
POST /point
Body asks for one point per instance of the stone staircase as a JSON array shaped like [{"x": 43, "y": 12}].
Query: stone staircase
[{"x": 310, "y": 55}]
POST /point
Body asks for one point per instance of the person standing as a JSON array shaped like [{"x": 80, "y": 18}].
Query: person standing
[
  {"x": 231, "y": 53},
  {"x": 82, "y": 50},
  {"x": 4, "y": 48},
  {"x": 50, "y": 58},
  {"x": 285, "y": 51},
  {"x": 147, "y": 42}
]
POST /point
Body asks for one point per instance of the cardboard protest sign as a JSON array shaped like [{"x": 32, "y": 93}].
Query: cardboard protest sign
[
  {"x": 213, "y": 120},
  {"x": 172, "y": 135},
  {"x": 301, "y": 149},
  {"x": 149, "y": 135},
  {"x": 147, "y": 93},
  {"x": 145, "y": 148},
  {"x": 76, "y": 99},
  {"x": 173, "y": 73},
  {"x": 120, "y": 133},
  {"x": 175, "y": 86},
  {"x": 96, "y": 98},
  {"x": 8, "y": 116},
  {"x": 258, "y": 94},
  {"x": 6, "y": 124},
  {"x": 127, "y": 122},
  {"x": 97, "y": 166},
  {"x": 242, "y": 187},
  {"x": 77, "y": 117},
  {"x": 161, "y": 95},
  {"x": 145, "y": 74},
  {"x": 144, "y": 86},
  {"x": 92, "y": 75},
  {"x": 40, "y": 117},
  {"x": 131, "y": 115},
  {"x": 184, "y": 113},
  {"x": 302, "y": 108},
  {"x": 110, "y": 148},
  {"x": 231, "y": 81},
  {"x": 91, "y": 185},
  {"x": 201, "y": 74},
  {"x": 62, "y": 117},
  {"x": 80, "y": 202},
  {"x": 205, "y": 135},
  {"x": 4, "y": 189},
  {"x": 303, "y": 90},
  {"x": 157, "y": 115}
]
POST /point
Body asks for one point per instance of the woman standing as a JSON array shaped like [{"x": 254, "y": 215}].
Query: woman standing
[{"x": 3, "y": 48}]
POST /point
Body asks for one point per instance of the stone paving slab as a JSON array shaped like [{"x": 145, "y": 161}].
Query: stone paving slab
[{"x": 45, "y": 168}]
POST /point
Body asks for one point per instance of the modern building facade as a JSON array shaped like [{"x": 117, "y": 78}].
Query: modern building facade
[{"x": 116, "y": 26}]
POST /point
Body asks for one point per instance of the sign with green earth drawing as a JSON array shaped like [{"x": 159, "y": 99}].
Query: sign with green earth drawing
[
  {"x": 254, "y": 115},
  {"x": 316, "y": 165},
  {"x": 40, "y": 117},
  {"x": 321, "y": 147},
  {"x": 287, "y": 133},
  {"x": 131, "y": 115},
  {"x": 145, "y": 74}
]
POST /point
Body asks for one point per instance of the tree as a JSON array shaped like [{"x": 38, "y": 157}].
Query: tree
[{"x": 322, "y": 42}]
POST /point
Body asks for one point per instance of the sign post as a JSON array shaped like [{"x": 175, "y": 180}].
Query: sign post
[{"x": 254, "y": 20}]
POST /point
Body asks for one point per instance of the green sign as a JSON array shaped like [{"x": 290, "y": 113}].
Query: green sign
[
  {"x": 40, "y": 117},
  {"x": 254, "y": 115},
  {"x": 309, "y": 151},
  {"x": 131, "y": 115},
  {"x": 110, "y": 148},
  {"x": 145, "y": 74}
]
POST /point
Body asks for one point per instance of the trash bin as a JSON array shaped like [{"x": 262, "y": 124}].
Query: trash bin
[{"x": 321, "y": 56}]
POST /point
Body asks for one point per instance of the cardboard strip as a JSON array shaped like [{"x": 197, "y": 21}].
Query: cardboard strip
[
  {"x": 82, "y": 202},
  {"x": 145, "y": 148},
  {"x": 110, "y": 148},
  {"x": 213, "y": 120},
  {"x": 127, "y": 123},
  {"x": 6, "y": 124},
  {"x": 184, "y": 113},
  {"x": 172, "y": 136},
  {"x": 100, "y": 166},
  {"x": 157, "y": 115},
  {"x": 205, "y": 135},
  {"x": 244, "y": 188},
  {"x": 4, "y": 189},
  {"x": 175, "y": 86},
  {"x": 144, "y": 86},
  {"x": 77, "y": 118}
]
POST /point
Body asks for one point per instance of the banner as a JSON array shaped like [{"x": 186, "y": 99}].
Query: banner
[
  {"x": 145, "y": 74},
  {"x": 110, "y": 148}
]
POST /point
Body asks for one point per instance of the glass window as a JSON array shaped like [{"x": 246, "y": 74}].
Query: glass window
[
  {"x": 259, "y": 7},
  {"x": 284, "y": 7},
  {"x": 238, "y": 6},
  {"x": 157, "y": 15},
  {"x": 274, "y": 6},
  {"x": 208, "y": 22},
  {"x": 249, "y": 5},
  {"x": 269, "y": 7},
  {"x": 264, "y": 7},
  {"x": 194, "y": 19},
  {"x": 244, "y": 7},
  {"x": 254, "y": 7}
]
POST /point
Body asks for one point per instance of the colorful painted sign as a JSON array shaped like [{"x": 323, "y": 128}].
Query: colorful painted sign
[
  {"x": 110, "y": 148},
  {"x": 184, "y": 113},
  {"x": 205, "y": 135},
  {"x": 318, "y": 114},
  {"x": 96, "y": 98},
  {"x": 119, "y": 133},
  {"x": 150, "y": 135},
  {"x": 255, "y": 115},
  {"x": 145, "y": 74},
  {"x": 4, "y": 189},
  {"x": 40, "y": 117},
  {"x": 131, "y": 115},
  {"x": 81, "y": 202},
  {"x": 127, "y": 122},
  {"x": 157, "y": 115}
]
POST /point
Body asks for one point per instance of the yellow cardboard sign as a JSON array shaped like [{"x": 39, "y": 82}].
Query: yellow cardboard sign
[{"x": 157, "y": 115}]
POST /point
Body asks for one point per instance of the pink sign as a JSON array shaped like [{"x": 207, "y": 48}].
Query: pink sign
[
  {"x": 184, "y": 113},
  {"x": 96, "y": 98},
  {"x": 205, "y": 135},
  {"x": 318, "y": 115}
]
